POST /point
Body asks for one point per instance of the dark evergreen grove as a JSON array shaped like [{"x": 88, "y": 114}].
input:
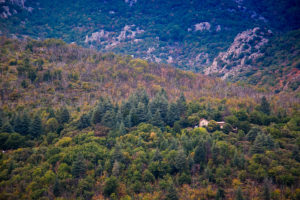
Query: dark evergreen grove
[{"x": 150, "y": 147}]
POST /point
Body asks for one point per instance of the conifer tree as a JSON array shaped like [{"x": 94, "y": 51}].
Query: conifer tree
[
  {"x": 116, "y": 169},
  {"x": 239, "y": 194},
  {"x": 181, "y": 104},
  {"x": 160, "y": 103},
  {"x": 143, "y": 97},
  {"x": 258, "y": 145},
  {"x": 119, "y": 116},
  {"x": 134, "y": 117},
  {"x": 22, "y": 124},
  {"x": 200, "y": 153},
  {"x": 266, "y": 191},
  {"x": 36, "y": 128},
  {"x": 157, "y": 156},
  {"x": 51, "y": 113},
  {"x": 253, "y": 133},
  {"x": 84, "y": 121},
  {"x": 25, "y": 124},
  {"x": 157, "y": 119},
  {"x": 141, "y": 113},
  {"x": 127, "y": 121},
  {"x": 111, "y": 186},
  {"x": 7, "y": 128},
  {"x": 220, "y": 194},
  {"x": 97, "y": 116},
  {"x": 78, "y": 167},
  {"x": 265, "y": 106},
  {"x": 180, "y": 161},
  {"x": 173, "y": 114},
  {"x": 171, "y": 193},
  {"x": 122, "y": 129},
  {"x": 65, "y": 115},
  {"x": 18, "y": 124},
  {"x": 109, "y": 119}
]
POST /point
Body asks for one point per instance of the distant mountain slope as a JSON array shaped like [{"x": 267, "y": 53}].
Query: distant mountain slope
[
  {"x": 188, "y": 34},
  {"x": 258, "y": 58},
  {"x": 53, "y": 73}
]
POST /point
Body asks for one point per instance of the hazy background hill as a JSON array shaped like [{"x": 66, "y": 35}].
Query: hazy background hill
[{"x": 187, "y": 34}]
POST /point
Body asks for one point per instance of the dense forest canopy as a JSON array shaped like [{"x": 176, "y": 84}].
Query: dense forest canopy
[
  {"x": 78, "y": 124},
  {"x": 94, "y": 102}
]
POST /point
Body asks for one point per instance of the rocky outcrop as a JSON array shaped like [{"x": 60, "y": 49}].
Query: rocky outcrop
[
  {"x": 203, "y": 26},
  {"x": 111, "y": 39},
  {"x": 7, "y": 7},
  {"x": 130, "y": 2},
  {"x": 239, "y": 56}
]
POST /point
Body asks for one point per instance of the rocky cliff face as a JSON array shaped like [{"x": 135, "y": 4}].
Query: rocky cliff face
[
  {"x": 10, "y": 7},
  {"x": 239, "y": 56}
]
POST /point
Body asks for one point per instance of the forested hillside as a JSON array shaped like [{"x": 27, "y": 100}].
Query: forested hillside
[
  {"x": 79, "y": 124},
  {"x": 188, "y": 34},
  {"x": 50, "y": 72}
]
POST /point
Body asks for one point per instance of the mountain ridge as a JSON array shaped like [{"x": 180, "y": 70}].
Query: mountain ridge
[{"x": 187, "y": 34}]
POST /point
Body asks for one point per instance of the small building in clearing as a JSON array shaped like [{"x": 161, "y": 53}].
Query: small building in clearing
[
  {"x": 203, "y": 122},
  {"x": 221, "y": 124}
]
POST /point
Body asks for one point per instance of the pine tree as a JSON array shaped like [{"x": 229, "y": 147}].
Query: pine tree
[
  {"x": 141, "y": 113},
  {"x": 220, "y": 194},
  {"x": 235, "y": 159},
  {"x": 1, "y": 121},
  {"x": 239, "y": 194},
  {"x": 143, "y": 97},
  {"x": 258, "y": 145},
  {"x": 157, "y": 119},
  {"x": 117, "y": 154},
  {"x": 26, "y": 124},
  {"x": 22, "y": 124},
  {"x": 173, "y": 114},
  {"x": 119, "y": 116},
  {"x": 36, "y": 126},
  {"x": 97, "y": 116},
  {"x": 116, "y": 169},
  {"x": 157, "y": 156},
  {"x": 266, "y": 192},
  {"x": 180, "y": 161},
  {"x": 65, "y": 115},
  {"x": 78, "y": 167},
  {"x": 110, "y": 186},
  {"x": 18, "y": 124},
  {"x": 181, "y": 104},
  {"x": 265, "y": 106},
  {"x": 171, "y": 193},
  {"x": 200, "y": 154},
  {"x": 109, "y": 119},
  {"x": 149, "y": 116},
  {"x": 7, "y": 128},
  {"x": 159, "y": 103},
  {"x": 134, "y": 118},
  {"x": 51, "y": 113},
  {"x": 127, "y": 121},
  {"x": 122, "y": 129},
  {"x": 253, "y": 133},
  {"x": 84, "y": 122},
  {"x": 56, "y": 187}
]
